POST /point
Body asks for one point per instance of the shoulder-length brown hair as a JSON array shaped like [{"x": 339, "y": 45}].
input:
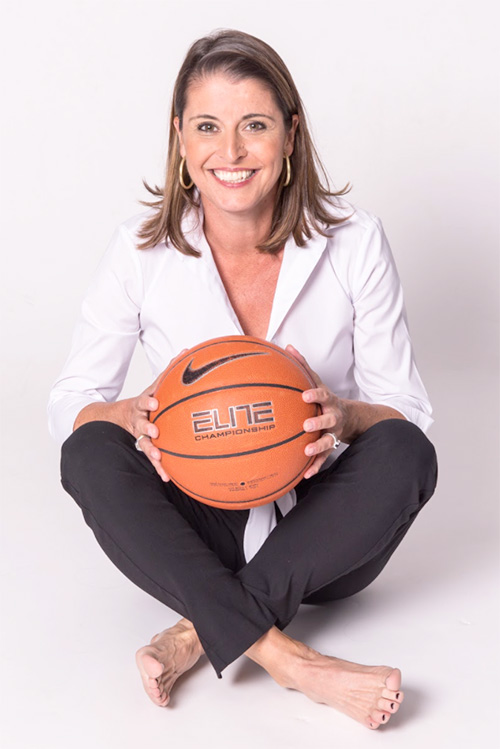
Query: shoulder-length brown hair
[{"x": 301, "y": 207}]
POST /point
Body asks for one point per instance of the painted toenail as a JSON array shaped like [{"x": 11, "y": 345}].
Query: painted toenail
[
  {"x": 392, "y": 705},
  {"x": 397, "y": 696},
  {"x": 383, "y": 717}
]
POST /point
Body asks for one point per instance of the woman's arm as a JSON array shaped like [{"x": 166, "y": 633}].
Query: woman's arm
[
  {"x": 103, "y": 342},
  {"x": 131, "y": 414},
  {"x": 346, "y": 418},
  {"x": 384, "y": 363}
]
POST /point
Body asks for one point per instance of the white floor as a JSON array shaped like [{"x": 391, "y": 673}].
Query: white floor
[{"x": 71, "y": 623}]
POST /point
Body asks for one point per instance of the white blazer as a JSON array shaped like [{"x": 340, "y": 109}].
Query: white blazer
[{"x": 338, "y": 300}]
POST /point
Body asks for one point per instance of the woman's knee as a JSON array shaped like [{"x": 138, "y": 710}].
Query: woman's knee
[
  {"x": 406, "y": 451},
  {"x": 91, "y": 450}
]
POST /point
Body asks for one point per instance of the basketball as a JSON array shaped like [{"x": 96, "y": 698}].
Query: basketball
[{"x": 230, "y": 421}]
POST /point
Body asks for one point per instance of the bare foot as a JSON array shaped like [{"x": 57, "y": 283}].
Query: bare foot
[
  {"x": 170, "y": 654},
  {"x": 369, "y": 694}
]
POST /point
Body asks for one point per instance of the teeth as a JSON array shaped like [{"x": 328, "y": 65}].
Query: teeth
[{"x": 239, "y": 176}]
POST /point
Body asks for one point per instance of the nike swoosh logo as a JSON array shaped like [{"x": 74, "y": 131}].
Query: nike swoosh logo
[{"x": 192, "y": 375}]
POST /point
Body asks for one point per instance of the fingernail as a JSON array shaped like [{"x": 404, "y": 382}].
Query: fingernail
[
  {"x": 308, "y": 426},
  {"x": 309, "y": 450}
]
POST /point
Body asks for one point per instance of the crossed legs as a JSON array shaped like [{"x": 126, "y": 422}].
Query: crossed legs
[
  {"x": 334, "y": 542},
  {"x": 369, "y": 694}
]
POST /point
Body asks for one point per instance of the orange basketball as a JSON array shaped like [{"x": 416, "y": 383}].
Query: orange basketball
[{"x": 231, "y": 420}]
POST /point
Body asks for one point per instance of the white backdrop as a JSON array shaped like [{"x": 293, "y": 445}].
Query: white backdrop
[{"x": 403, "y": 102}]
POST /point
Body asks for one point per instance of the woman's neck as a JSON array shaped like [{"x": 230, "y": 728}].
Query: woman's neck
[{"x": 235, "y": 234}]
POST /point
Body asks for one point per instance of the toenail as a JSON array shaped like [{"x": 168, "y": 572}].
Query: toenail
[
  {"x": 383, "y": 717},
  {"x": 397, "y": 696},
  {"x": 392, "y": 705}
]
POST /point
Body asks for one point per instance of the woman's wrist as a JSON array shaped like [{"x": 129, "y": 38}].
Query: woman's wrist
[
  {"x": 360, "y": 416},
  {"x": 115, "y": 412}
]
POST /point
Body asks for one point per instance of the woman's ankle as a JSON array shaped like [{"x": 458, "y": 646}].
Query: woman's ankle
[{"x": 280, "y": 655}]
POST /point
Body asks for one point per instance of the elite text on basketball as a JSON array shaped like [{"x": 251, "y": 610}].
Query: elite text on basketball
[{"x": 235, "y": 417}]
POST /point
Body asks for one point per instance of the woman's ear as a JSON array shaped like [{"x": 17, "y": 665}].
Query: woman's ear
[
  {"x": 182, "y": 150},
  {"x": 290, "y": 136}
]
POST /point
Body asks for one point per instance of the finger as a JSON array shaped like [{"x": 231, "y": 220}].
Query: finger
[
  {"x": 147, "y": 403},
  {"x": 160, "y": 470},
  {"x": 321, "y": 445},
  {"x": 327, "y": 420},
  {"x": 316, "y": 465},
  {"x": 317, "y": 395},
  {"x": 153, "y": 454},
  {"x": 150, "y": 450},
  {"x": 144, "y": 426},
  {"x": 297, "y": 355}
]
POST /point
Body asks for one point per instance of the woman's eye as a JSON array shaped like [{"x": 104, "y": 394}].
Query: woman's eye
[
  {"x": 254, "y": 126},
  {"x": 207, "y": 127}
]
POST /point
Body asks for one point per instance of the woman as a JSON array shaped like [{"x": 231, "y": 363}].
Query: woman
[{"x": 244, "y": 238}]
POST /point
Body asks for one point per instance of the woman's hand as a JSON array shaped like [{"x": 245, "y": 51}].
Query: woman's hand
[
  {"x": 139, "y": 425},
  {"x": 132, "y": 414},
  {"x": 332, "y": 419},
  {"x": 136, "y": 417},
  {"x": 346, "y": 419}
]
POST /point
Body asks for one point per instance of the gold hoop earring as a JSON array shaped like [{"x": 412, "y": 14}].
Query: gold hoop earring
[
  {"x": 288, "y": 171},
  {"x": 181, "y": 176}
]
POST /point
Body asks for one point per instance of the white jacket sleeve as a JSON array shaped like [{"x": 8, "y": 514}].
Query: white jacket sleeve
[
  {"x": 385, "y": 369},
  {"x": 104, "y": 339}
]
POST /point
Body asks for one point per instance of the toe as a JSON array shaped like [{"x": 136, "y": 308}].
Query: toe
[
  {"x": 151, "y": 666},
  {"x": 380, "y": 717},
  {"x": 388, "y": 706},
  {"x": 393, "y": 696},
  {"x": 393, "y": 681},
  {"x": 371, "y": 723}
]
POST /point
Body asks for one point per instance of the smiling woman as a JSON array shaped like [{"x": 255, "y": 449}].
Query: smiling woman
[
  {"x": 235, "y": 154},
  {"x": 246, "y": 237},
  {"x": 266, "y": 105}
]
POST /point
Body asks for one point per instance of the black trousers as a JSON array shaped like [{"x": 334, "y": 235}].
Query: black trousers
[{"x": 347, "y": 523}]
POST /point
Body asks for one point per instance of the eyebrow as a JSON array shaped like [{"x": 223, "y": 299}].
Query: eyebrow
[{"x": 245, "y": 117}]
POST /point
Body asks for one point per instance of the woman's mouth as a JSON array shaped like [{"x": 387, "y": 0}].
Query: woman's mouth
[{"x": 236, "y": 177}]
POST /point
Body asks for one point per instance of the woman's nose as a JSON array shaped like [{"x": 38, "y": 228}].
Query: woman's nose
[{"x": 233, "y": 147}]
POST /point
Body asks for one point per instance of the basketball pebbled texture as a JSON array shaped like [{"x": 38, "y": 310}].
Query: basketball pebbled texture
[{"x": 231, "y": 419}]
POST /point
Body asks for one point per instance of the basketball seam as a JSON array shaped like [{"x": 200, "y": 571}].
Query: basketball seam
[
  {"x": 230, "y": 505},
  {"x": 227, "y": 387},
  {"x": 233, "y": 455},
  {"x": 241, "y": 339}
]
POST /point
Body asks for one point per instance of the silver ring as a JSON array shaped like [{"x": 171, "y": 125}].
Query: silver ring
[
  {"x": 336, "y": 441},
  {"x": 137, "y": 445}
]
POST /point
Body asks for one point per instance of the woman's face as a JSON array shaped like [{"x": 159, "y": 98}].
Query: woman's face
[{"x": 234, "y": 139}]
